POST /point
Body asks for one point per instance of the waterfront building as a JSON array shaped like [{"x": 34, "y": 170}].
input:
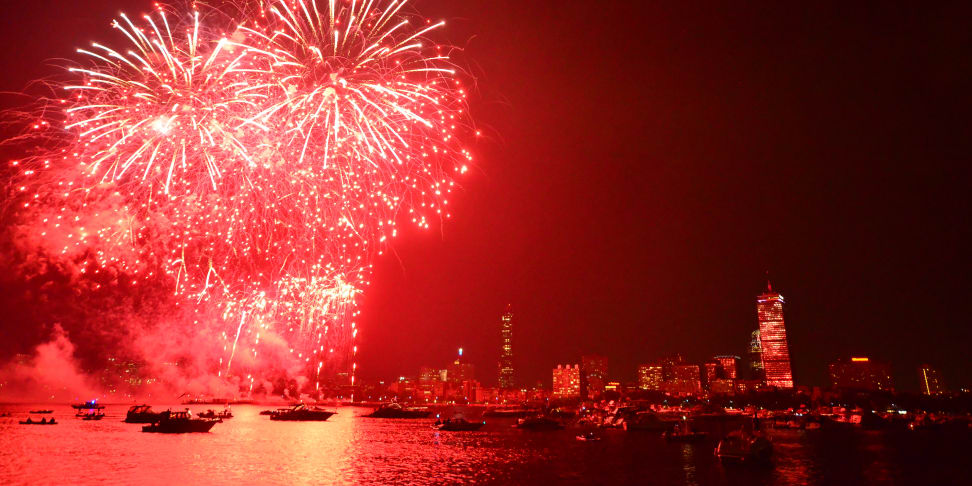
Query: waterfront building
[
  {"x": 459, "y": 372},
  {"x": 713, "y": 372},
  {"x": 774, "y": 351},
  {"x": 566, "y": 381},
  {"x": 650, "y": 377},
  {"x": 594, "y": 369},
  {"x": 668, "y": 365},
  {"x": 930, "y": 380},
  {"x": 427, "y": 379},
  {"x": 861, "y": 373},
  {"x": 685, "y": 380},
  {"x": 723, "y": 386},
  {"x": 506, "y": 381},
  {"x": 746, "y": 386},
  {"x": 730, "y": 366}
]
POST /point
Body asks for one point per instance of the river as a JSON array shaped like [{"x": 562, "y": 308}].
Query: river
[{"x": 350, "y": 449}]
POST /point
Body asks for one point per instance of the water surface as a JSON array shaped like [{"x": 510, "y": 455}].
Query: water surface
[{"x": 349, "y": 449}]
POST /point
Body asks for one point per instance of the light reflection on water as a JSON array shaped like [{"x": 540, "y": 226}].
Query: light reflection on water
[{"x": 347, "y": 449}]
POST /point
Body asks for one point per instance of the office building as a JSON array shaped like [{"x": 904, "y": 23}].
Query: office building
[
  {"x": 566, "y": 381},
  {"x": 861, "y": 373},
  {"x": 594, "y": 369},
  {"x": 650, "y": 377},
  {"x": 774, "y": 350},
  {"x": 506, "y": 381}
]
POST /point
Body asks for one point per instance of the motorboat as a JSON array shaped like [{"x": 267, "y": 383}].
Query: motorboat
[
  {"x": 396, "y": 410},
  {"x": 141, "y": 414},
  {"x": 212, "y": 414},
  {"x": 302, "y": 413},
  {"x": 588, "y": 437},
  {"x": 170, "y": 422},
  {"x": 93, "y": 416},
  {"x": 745, "y": 447},
  {"x": 538, "y": 423},
  {"x": 93, "y": 404},
  {"x": 681, "y": 432},
  {"x": 457, "y": 425}
]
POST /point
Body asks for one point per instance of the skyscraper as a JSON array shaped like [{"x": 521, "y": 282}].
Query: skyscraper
[
  {"x": 774, "y": 351},
  {"x": 650, "y": 377},
  {"x": 459, "y": 371},
  {"x": 506, "y": 381},
  {"x": 566, "y": 381},
  {"x": 594, "y": 368},
  {"x": 930, "y": 380}
]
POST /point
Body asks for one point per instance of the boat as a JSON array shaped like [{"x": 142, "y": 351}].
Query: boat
[
  {"x": 395, "y": 410},
  {"x": 93, "y": 416},
  {"x": 681, "y": 432},
  {"x": 93, "y": 404},
  {"x": 212, "y": 414},
  {"x": 42, "y": 422},
  {"x": 41, "y": 411},
  {"x": 267, "y": 412},
  {"x": 170, "y": 422},
  {"x": 458, "y": 424},
  {"x": 302, "y": 413},
  {"x": 588, "y": 437},
  {"x": 141, "y": 414},
  {"x": 538, "y": 423},
  {"x": 745, "y": 447}
]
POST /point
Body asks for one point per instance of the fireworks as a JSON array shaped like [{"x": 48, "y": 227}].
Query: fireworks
[{"x": 256, "y": 165}]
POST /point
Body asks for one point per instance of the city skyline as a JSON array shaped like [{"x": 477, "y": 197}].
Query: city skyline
[{"x": 842, "y": 372}]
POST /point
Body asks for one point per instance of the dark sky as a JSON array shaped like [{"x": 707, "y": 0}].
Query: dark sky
[{"x": 646, "y": 163}]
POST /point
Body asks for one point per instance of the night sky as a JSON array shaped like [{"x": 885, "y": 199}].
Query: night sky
[{"x": 644, "y": 165}]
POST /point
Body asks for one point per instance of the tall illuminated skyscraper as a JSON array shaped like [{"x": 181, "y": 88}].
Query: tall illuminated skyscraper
[
  {"x": 774, "y": 351},
  {"x": 506, "y": 355}
]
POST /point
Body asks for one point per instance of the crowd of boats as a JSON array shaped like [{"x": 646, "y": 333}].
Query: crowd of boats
[{"x": 738, "y": 434}]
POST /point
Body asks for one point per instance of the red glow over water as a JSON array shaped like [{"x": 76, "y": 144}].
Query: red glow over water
[{"x": 349, "y": 449}]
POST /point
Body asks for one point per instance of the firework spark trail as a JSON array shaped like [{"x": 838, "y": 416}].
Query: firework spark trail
[{"x": 261, "y": 162}]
